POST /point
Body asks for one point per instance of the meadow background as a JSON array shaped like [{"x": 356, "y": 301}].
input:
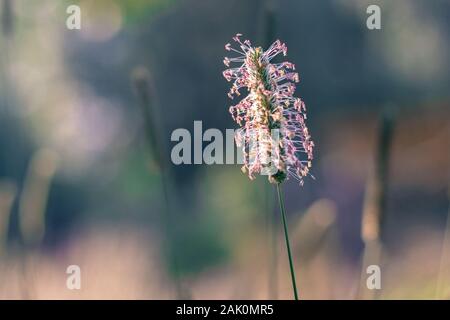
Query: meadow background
[{"x": 79, "y": 183}]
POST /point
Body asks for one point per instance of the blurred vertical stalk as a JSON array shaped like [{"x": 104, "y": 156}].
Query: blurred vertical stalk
[
  {"x": 314, "y": 238},
  {"x": 7, "y": 25},
  {"x": 373, "y": 219},
  {"x": 7, "y": 18},
  {"x": 144, "y": 91},
  {"x": 7, "y": 189},
  {"x": 8, "y": 192},
  {"x": 33, "y": 200},
  {"x": 268, "y": 37},
  {"x": 441, "y": 284},
  {"x": 32, "y": 207}
]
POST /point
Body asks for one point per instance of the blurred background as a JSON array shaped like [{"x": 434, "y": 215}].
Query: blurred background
[{"x": 83, "y": 182}]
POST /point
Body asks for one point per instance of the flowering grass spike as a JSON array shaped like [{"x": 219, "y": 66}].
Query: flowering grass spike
[{"x": 269, "y": 107}]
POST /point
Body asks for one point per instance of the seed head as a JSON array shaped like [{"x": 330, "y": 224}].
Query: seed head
[{"x": 272, "y": 131}]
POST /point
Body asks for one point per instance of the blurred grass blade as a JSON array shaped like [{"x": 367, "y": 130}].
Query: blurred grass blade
[
  {"x": 310, "y": 232},
  {"x": 8, "y": 192},
  {"x": 7, "y": 18},
  {"x": 373, "y": 219},
  {"x": 144, "y": 90},
  {"x": 33, "y": 200}
]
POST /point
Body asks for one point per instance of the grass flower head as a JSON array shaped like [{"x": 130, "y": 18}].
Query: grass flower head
[{"x": 269, "y": 107}]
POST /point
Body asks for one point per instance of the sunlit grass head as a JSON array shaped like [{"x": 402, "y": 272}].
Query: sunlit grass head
[{"x": 269, "y": 106}]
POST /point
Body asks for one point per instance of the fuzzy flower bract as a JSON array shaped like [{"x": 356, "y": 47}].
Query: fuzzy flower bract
[{"x": 273, "y": 134}]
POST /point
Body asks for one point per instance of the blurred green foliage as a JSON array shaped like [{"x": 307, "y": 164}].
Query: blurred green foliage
[{"x": 136, "y": 10}]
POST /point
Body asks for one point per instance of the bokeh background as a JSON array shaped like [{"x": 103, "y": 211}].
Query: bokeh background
[{"x": 81, "y": 184}]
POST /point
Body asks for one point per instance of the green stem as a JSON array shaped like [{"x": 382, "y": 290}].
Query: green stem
[
  {"x": 286, "y": 236},
  {"x": 272, "y": 231}
]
